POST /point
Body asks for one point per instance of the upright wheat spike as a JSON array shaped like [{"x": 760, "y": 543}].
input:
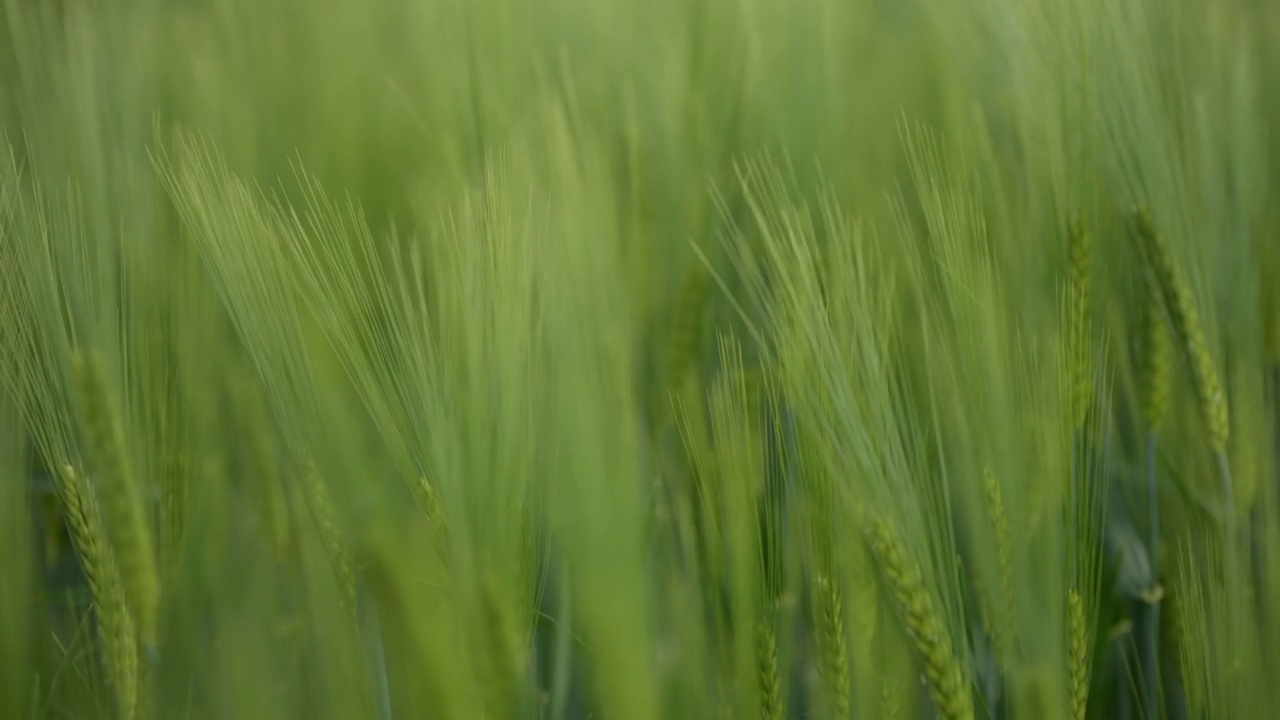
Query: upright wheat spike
[
  {"x": 1002, "y": 626},
  {"x": 1156, "y": 363},
  {"x": 103, "y": 578},
  {"x": 1077, "y": 655},
  {"x": 767, "y": 670},
  {"x": 122, "y": 506},
  {"x": 835, "y": 664},
  {"x": 944, "y": 675},
  {"x": 685, "y": 328},
  {"x": 1179, "y": 308},
  {"x": 322, "y": 512},
  {"x": 1079, "y": 257}
]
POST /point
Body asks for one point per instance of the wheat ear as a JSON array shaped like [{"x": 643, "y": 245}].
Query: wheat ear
[
  {"x": 1077, "y": 655},
  {"x": 321, "y": 504},
  {"x": 1180, "y": 309},
  {"x": 1002, "y": 626},
  {"x": 685, "y": 327},
  {"x": 1080, "y": 265},
  {"x": 767, "y": 672},
  {"x": 835, "y": 663},
  {"x": 944, "y": 675},
  {"x": 103, "y": 578},
  {"x": 424, "y": 494},
  {"x": 1156, "y": 362},
  {"x": 122, "y": 507}
]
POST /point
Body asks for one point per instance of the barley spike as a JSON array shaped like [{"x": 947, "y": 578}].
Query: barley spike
[
  {"x": 122, "y": 506},
  {"x": 944, "y": 675},
  {"x": 1179, "y": 308},
  {"x": 1078, "y": 654}
]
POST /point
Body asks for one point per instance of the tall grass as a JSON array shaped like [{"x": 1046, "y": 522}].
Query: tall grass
[{"x": 713, "y": 358}]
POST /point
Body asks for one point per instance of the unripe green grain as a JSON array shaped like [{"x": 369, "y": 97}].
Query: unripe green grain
[
  {"x": 771, "y": 707},
  {"x": 831, "y": 639},
  {"x": 1002, "y": 625},
  {"x": 1080, "y": 261},
  {"x": 322, "y": 512},
  {"x": 123, "y": 510},
  {"x": 943, "y": 673},
  {"x": 1077, "y": 655},
  {"x": 105, "y": 587},
  {"x": 1155, "y": 361},
  {"x": 1184, "y": 318}
]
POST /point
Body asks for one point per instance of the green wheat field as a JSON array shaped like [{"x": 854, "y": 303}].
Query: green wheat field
[{"x": 639, "y": 359}]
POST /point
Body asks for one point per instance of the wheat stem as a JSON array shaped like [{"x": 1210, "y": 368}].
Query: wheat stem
[{"x": 1151, "y": 635}]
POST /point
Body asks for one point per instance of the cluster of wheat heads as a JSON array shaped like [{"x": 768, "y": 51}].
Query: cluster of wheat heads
[{"x": 677, "y": 359}]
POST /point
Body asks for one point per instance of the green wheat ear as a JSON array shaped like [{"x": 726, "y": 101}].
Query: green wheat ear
[
  {"x": 322, "y": 512},
  {"x": 831, "y": 638},
  {"x": 771, "y": 707},
  {"x": 1156, "y": 362},
  {"x": 1080, "y": 262},
  {"x": 105, "y": 587},
  {"x": 1002, "y": 626},
  {"x": 943, "y": 673},
  {"x": 684, "y": 332},
  {"x": 424, "y": 494},
  {"x": 123, "y": 513},
  {"x": 1175, "y": 295},
  {"x": 1077, "y": 655}
]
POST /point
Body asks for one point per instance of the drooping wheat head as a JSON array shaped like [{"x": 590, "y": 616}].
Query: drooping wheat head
[
  {"x": 322, "y": 512},
  {"x": 1184, "y": 319},
  {"x": 943, "y": 673}
]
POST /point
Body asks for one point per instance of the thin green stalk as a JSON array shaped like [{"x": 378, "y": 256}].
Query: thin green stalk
[{"x": 1151, "y": 633}]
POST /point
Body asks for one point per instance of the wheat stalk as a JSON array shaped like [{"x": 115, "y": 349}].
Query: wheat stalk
[
  {"x": 944, "y": 675},
  {"x": 1154, "y": 382},
  {"x": 505, "y": 661},
  {"x": 122, "y": 506}
]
